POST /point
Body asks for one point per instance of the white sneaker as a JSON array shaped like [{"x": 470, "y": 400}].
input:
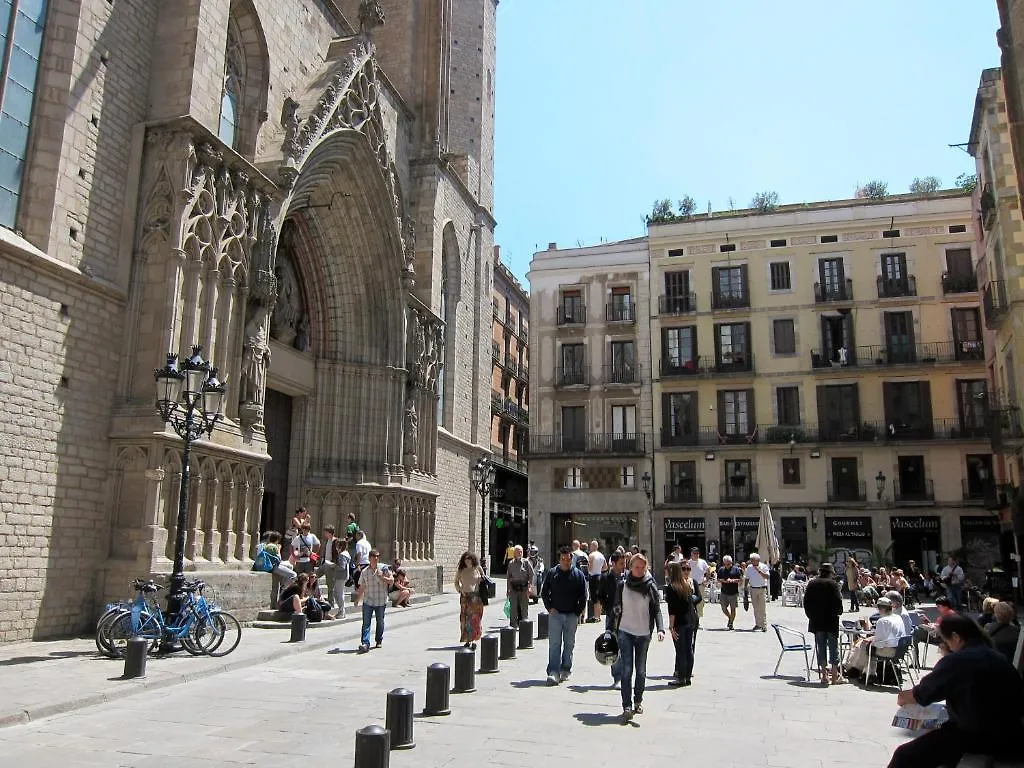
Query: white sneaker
[{"x": 552, "y": 680}]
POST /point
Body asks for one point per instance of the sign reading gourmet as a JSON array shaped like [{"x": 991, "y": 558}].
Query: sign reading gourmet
[
  {"x": 684, "y": 525},
  {"x": 848, "y": 528},
  {"x": 915, "y": 524}
]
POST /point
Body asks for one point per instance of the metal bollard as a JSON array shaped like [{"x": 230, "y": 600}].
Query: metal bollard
[
  {"x": 465, "y": 671},
  {"x": 135, "y": 657},
  {"x": 542, "y": 626},
  {"x": 488, "y": 654},
  {"x": 399, "y": 718},
  {"x": 508, "y": 643},
  {"x": 373, "y": 747},
  {"x": 299, "y": 622},
  {"x": 436, "y": 702},
  {"x": 525, "y": 635}
]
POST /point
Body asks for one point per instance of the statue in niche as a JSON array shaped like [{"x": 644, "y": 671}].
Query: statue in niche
[
  {"x": 255, "y": 356},
  {"x": 371, "y": 16},
  {"x": 290, "y": 121},
  {"x": 289, "y": 317},
  {"x": 410, "y": 433}
]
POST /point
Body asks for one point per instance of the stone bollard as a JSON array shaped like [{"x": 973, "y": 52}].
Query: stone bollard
[
  {"x": 373, "y": 747},
  {"x": 465, "y": 671},
  {"x": 508, "y": 643},
  {"x": 542, "y": 626},
  {"x": 399, "y": 718},
  {"x": 135, "y": 656},
  {"x": 488, "y": 654},
  {"x": 299, "y": 622},
  {"x": 436, "y": 701},
  {"x": 525, "y": 635}
]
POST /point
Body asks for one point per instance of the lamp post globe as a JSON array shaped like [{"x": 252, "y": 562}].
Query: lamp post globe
[
  {"x": 482, "y": 475},
  {"x": 190, "y": 399}
]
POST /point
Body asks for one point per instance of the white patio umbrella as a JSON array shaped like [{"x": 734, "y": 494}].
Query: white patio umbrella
[{"x": 767, "y": 540}]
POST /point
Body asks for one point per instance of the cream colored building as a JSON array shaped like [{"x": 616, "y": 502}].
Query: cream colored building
[
  {"x": 590, "y": 404},
  {"x": 828, "y": 357}
]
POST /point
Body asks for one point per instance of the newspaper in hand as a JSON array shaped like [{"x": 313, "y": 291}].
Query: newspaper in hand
[{"x": 914, "y": 717}]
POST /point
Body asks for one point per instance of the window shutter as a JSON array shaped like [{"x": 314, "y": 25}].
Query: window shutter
[
  {"x": 718, "y": 344},
  {"x": 925, "y": 393},
  {"x": 748, "y": 342},
  {"x": 666, "y": 414},
  {"x": 692, "y": 414},
  {"x": 751, "y": 413},
  {"x": 855, "y": 390},
  {"x": 721, "y": 413},
  {"x": 746, "y": 283},
  {"x": 889, "y": 401},
  {"x": 821, "y": 393}
]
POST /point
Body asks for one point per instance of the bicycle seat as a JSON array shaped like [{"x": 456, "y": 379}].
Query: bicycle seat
[{"x": 147, "y": 587}]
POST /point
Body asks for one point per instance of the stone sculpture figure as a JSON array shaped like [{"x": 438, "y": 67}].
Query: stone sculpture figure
[
  {"x": 255, "y": 357},
  {"x": 410, "y": 433},
  {"x": 371, "y": 16}
]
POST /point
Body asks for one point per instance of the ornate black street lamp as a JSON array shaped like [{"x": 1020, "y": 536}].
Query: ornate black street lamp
[
  {"x": 189, "y": 397},
  {"x": 648, "y": 492},
  {"x": 482, "y": 474}
]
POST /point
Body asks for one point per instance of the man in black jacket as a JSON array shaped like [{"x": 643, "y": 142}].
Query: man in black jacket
[{"x": 565, "y": 596}]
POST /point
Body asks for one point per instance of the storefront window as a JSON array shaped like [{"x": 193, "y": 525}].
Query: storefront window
[
  {"x": 687, "y": 532},
  {"x": 981, "y": 551},
  {"x": 739, "y": 541},
  {"x": 918, "y": 539}
]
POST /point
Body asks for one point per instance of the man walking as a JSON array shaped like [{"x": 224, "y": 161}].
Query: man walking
[
  {"x": 699, "y": 574},
  {"x": 565, "y": 598},
  {"x": 595, "y": 567},
  {"x": 328, "y": 560},
  {"x": 729, "y": 579},
  {"x": 756, "y": 576},
  {"x": 952, "y": 578},
  {"x": 373, "y": 591},
  {"x": 362, "y": 558},
  {"x": 519, "y": 576}
]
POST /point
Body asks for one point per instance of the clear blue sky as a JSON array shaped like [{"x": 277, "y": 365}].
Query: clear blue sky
[{"x": 600, "y": 111}]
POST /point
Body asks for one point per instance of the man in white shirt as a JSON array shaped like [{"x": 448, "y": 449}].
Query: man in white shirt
[
  {"x": 595, "y": 567},
  {"x": 888, "y": 630},
  {"x": 677, "y": 554},
  {"x": 756, "y": 578},
  {"x": 952, "y": 578},
  {"x": 699, "y": 573},
  {"x": 362, "y": 558},
  {"x": 303, "y": 546}
]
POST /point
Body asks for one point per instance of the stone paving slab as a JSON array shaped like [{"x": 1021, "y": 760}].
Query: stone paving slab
[
  {"x": 46, "y": 678},
  {"x": 307, "y": 706}
]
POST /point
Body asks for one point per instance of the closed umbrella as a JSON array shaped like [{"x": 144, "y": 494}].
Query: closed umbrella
[{"x": 767, "y": 541}]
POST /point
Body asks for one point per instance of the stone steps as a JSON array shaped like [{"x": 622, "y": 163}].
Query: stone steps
[{"x": 268, "y": 619}]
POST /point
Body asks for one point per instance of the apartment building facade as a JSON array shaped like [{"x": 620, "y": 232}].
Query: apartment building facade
[
  {"x": 510, "y": 418},
  {"x": 1000, "y": 248},
  {"x": 590, "y": 395}
]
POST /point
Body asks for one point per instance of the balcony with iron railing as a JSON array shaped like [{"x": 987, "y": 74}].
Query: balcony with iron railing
[
  {"x": 496, "y": 351},
  {"x": 913, "y": 493},
  {"x": 677, "y": 304},
  {"x": 894, "y": 287},
  {"x": 841, "y": 357},
  {"x": 966, "y": 283},
  {"x": 616, "y": 312},
  {"x": 988, "y": 207},
  {"x": 730, "y": 300},
  {"x": 827, "y": 292},
  {"x": 994, "y": 303},
  {"x": 571, "y": 314},
  {"x": 694, "y": 366},
  {"x": 1006, "y": 427},
  {"x": 851, "y": 492},
  {"x": 981, "y": 492},
  {"x": 686, "y": 494},
  {"x": 735, "y": 362},
  {"x": 590, "y": 444},
  {"x": 577, "y": 376},
  {"x": 509, "y": 462},
  {"x": 508, "y": 408},
  {"x": 621, "y": 374},
  {"x": 925, "y": 353},
  {"x": 733, "y": 492}
]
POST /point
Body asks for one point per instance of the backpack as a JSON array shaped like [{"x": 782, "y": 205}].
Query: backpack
[
  {"x": 583, "y": 563},
  {"x": 314, "y": 611},
  {"x": 265, "y": 562}
]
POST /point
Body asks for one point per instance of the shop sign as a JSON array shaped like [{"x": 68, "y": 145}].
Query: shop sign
[
  {"x": 684, "y": 525},
  {"x": 742, "y": 523},
  {"x": 979, "y": 524},
  {"x": 915, "y": 524},
  {"x": 847, "y": 527}
]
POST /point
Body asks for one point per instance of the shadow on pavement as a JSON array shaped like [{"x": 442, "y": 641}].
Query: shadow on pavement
[
  {"x": 335, "y": 651},
  {"x": 603, "y": 718},
  {"x": 55, "y": 656},
  {"x": 446, "y": 648},
  {"x": 588, "y": 688},
  {"x": 529, "y": 684}
]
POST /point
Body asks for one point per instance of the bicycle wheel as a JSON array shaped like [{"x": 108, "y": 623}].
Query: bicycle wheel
[
  {"x": 205, "y": 633},
  {"x": 229, "y": 631},
  {"x": 104, "y": 629}
]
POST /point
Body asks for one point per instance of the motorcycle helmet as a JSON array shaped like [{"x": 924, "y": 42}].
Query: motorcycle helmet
[{"x": 606, "y": 648}]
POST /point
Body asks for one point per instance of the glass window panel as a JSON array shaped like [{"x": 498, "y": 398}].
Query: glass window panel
[
  {"x": 28, "y": 34},
  {"x": 228, "y": 118},
  {"x": 17, "y": 101},
  {"x": 5, "y": 19},
  {"x": 13, "y": 135},
  {"x": 23, "y": 69},
  {"x": 33, "y": 9},
  {"x": 8, "y": 207},
  {"x": 10, "y": 171}
]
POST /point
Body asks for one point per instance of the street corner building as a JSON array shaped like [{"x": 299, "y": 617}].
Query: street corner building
[{"x": 304, "y": 190}]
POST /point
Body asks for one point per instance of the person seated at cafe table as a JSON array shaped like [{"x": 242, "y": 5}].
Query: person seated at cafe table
[{"x": 888, "y": 631}]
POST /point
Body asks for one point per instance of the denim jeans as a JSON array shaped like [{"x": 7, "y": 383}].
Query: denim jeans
[
  {"x": 633, "y": 653},
  {"x": 854, "y": 599},
  {"x": 955, "y": 593},
  {"x": 561, "y": 641},
  {"x": 826, "y": 641},
  {"x": 369, "y": 612},
  {"x": 685, "y": 647}
]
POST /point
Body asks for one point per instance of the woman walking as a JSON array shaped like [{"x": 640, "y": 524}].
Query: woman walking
[
  {"x": 682, "y": 598},
  {"x": 823, "y": 605},
  {"x": 471, "y": 607},
  {"x": 853, "y": 582},
  {"x": 637, "y": 612}
]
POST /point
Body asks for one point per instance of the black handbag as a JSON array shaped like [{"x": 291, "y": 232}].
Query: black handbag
[{"x": 487, "y": 588}]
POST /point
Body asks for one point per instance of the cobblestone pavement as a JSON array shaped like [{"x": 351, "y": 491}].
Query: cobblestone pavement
[{"x": 309, "y": 704}]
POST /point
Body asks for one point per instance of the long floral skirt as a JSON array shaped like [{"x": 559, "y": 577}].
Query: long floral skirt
[{"x": 471, "y": 614}]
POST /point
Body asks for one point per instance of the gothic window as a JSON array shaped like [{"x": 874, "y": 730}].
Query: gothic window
[
  {"x": 21, "y": 40},
  {"x": 440, "y": 370},
  {"x": 234, "y": 83}
]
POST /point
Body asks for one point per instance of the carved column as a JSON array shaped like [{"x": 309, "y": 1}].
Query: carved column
[{"x": 225, "y": 524}]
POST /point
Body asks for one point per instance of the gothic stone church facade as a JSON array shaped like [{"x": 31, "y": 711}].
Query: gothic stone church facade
[{"x": 304, "y": 189}]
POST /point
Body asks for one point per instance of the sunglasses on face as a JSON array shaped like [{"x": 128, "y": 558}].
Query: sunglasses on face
[{"x": 687, "y": 569}]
